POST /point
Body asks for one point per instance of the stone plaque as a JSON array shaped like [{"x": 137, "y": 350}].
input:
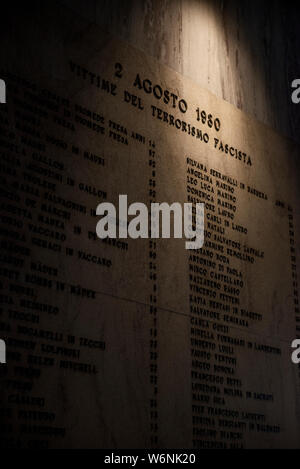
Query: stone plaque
[{"x": 140, "y": 343}]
